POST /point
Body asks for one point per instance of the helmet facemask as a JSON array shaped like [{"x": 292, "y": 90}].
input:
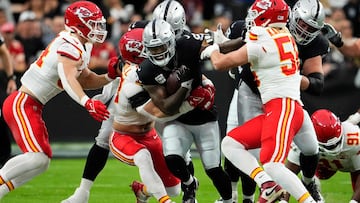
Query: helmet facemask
[
  {"x": 159, "y": 42},
  {"x": 328, "y": 130},
  {"x": 306, "y": 21},
  {"x": 97, "y": 29},
  {"x": 160, "y": 55},
  {"x": 333, "y": 146}
]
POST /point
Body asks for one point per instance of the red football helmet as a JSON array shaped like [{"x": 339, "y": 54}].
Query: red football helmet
[
  {"x": 131, "y": 46},
  {"x": 86, "y": 19},
  {"x": 328, "y": 131},
  {"x": 267, "y": 13}
]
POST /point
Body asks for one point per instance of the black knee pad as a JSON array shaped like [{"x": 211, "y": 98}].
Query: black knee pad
[
  {"x": 177, "y": 166},
  {"x": 221, "y": 181},
  {"x": 308, "y": 164},
  {"x": 248, "y": 184},
  {"x": 232, "y": 171}
]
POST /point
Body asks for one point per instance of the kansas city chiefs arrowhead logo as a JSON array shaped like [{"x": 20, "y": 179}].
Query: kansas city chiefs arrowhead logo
[
  {"x": 83, "y": 12},
  {"x": 133, "y": 46}
]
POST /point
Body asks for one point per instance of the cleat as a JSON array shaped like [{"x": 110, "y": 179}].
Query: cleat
[
  {"x": 270, "y": 192},
  {"x": 189, "y": 191},
  {"x": 314, "y": 191},
  {"x": 234, "y": 198},
  {"x": 247, "y": 201},
  {"x": 137, "y": 187},
  {"x": 80, "y": 196}
]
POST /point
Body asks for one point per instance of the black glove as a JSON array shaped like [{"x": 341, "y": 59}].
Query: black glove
[
  {"x": 185, "y": 76},
  {"x": 332, "y": 35}
]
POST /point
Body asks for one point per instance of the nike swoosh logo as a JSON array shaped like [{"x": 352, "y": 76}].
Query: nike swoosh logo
[{"x": 271, "y": 191}]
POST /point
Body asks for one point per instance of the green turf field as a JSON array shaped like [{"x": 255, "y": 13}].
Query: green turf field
[{"x": 112, "y": 185}]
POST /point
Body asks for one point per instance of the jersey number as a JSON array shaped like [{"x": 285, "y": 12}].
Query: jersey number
[{"x": 281, "y": 42}]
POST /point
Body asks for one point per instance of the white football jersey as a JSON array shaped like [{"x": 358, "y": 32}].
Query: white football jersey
[
  {"x": 348, "y": 160},
  {"x": 273, "y": 56},
  {"x": 42, "y": 77},
  {"x": 124, "y": 113}
]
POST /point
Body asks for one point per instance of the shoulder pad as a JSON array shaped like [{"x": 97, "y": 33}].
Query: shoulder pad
[{"x": 69, "y": 50}]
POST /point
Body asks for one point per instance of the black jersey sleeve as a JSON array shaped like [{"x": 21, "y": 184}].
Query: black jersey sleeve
[
  {"x": 237, "y": 29},
  {"x": 318, "y": 47},
  {"x": 150, "y": 74},
  {"x": 139, "y": 99},
  {"x": 188, "y": 54},
  {"x": 138, "y": 24}
]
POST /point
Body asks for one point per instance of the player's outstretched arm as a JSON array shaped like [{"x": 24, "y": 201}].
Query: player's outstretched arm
[{"x": 67, "y": 70}]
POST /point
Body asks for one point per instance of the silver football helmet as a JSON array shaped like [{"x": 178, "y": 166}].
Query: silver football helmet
[
  {"x": 172, "y": 12},
  {"x": 159, "y": 42},
  {"x": 306, "y": 20}
]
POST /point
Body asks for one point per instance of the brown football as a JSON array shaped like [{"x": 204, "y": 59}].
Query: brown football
[{"x": 172, "y": 83}]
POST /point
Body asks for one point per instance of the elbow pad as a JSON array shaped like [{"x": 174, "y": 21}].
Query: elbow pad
[{"x": 316, "y": 85}]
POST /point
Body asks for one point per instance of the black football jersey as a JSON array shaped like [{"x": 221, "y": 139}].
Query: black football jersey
[{"x": 188, "y": 54}]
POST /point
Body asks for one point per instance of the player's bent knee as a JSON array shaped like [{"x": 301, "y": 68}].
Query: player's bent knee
[
  {"x": 40, "y": 160},
  {"x": 174, "y": 191},
  {"x": 228, "y": 144},
  {"x": 142, "y": 157}
]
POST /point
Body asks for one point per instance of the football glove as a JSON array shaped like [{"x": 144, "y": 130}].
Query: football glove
[
  {"x": 332, "y": 35},
  {"x": 97, "y": 110},
  {"x": 114, "y": 64},
  {"x": 206, "y": 53},
  {"x": 185, "y": 76},
  {"x": 217, "y": 36},
  {"x": 202, "y": 97}
]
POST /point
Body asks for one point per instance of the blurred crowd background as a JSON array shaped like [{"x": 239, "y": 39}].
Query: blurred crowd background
[{"x": 29, "y": 25}]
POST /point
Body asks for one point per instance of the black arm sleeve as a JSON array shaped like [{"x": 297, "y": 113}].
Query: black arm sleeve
[{"x": 316, "y": 85}]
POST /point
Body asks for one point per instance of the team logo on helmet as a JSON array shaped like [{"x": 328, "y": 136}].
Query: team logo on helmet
[
  {"x": 134, "y": 46},
  {"x": 83, "y": 12},
  {"x": 264, "y": 4}
]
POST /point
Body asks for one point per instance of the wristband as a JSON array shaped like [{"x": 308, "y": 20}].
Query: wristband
[
  {"x": 108, "y": 78},
  {"x": 187, "y": 84},
  {"x": 11, "y": 77},
  {"x": 84, "y": 100},
  {"x": 207, "y": 82},
  {"x": 353, "y": 201},
  {"x": 185, "y": 107}
]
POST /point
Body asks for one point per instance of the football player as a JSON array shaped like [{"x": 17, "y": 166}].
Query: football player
[
  {"x": 172, "y": 12},
  {"x": 200, "y": 125},
  {"x": 312, "y": 47},
  {"x": 339, "y": 149},
  {"x": 277, "y": 74},
  {"x": 62, "y": 66}
]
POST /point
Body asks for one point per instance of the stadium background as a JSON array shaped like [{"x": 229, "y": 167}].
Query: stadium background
[{"x": 71, "y": 129}]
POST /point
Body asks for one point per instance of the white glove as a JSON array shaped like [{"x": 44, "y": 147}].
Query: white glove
[
  {"x": 206, "y": 53},
  {"x": 216, "y": 37},
  {"x": 354, "y": 118}
]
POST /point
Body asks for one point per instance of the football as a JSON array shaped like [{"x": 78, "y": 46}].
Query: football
[{"x": 172, "y": 83}]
